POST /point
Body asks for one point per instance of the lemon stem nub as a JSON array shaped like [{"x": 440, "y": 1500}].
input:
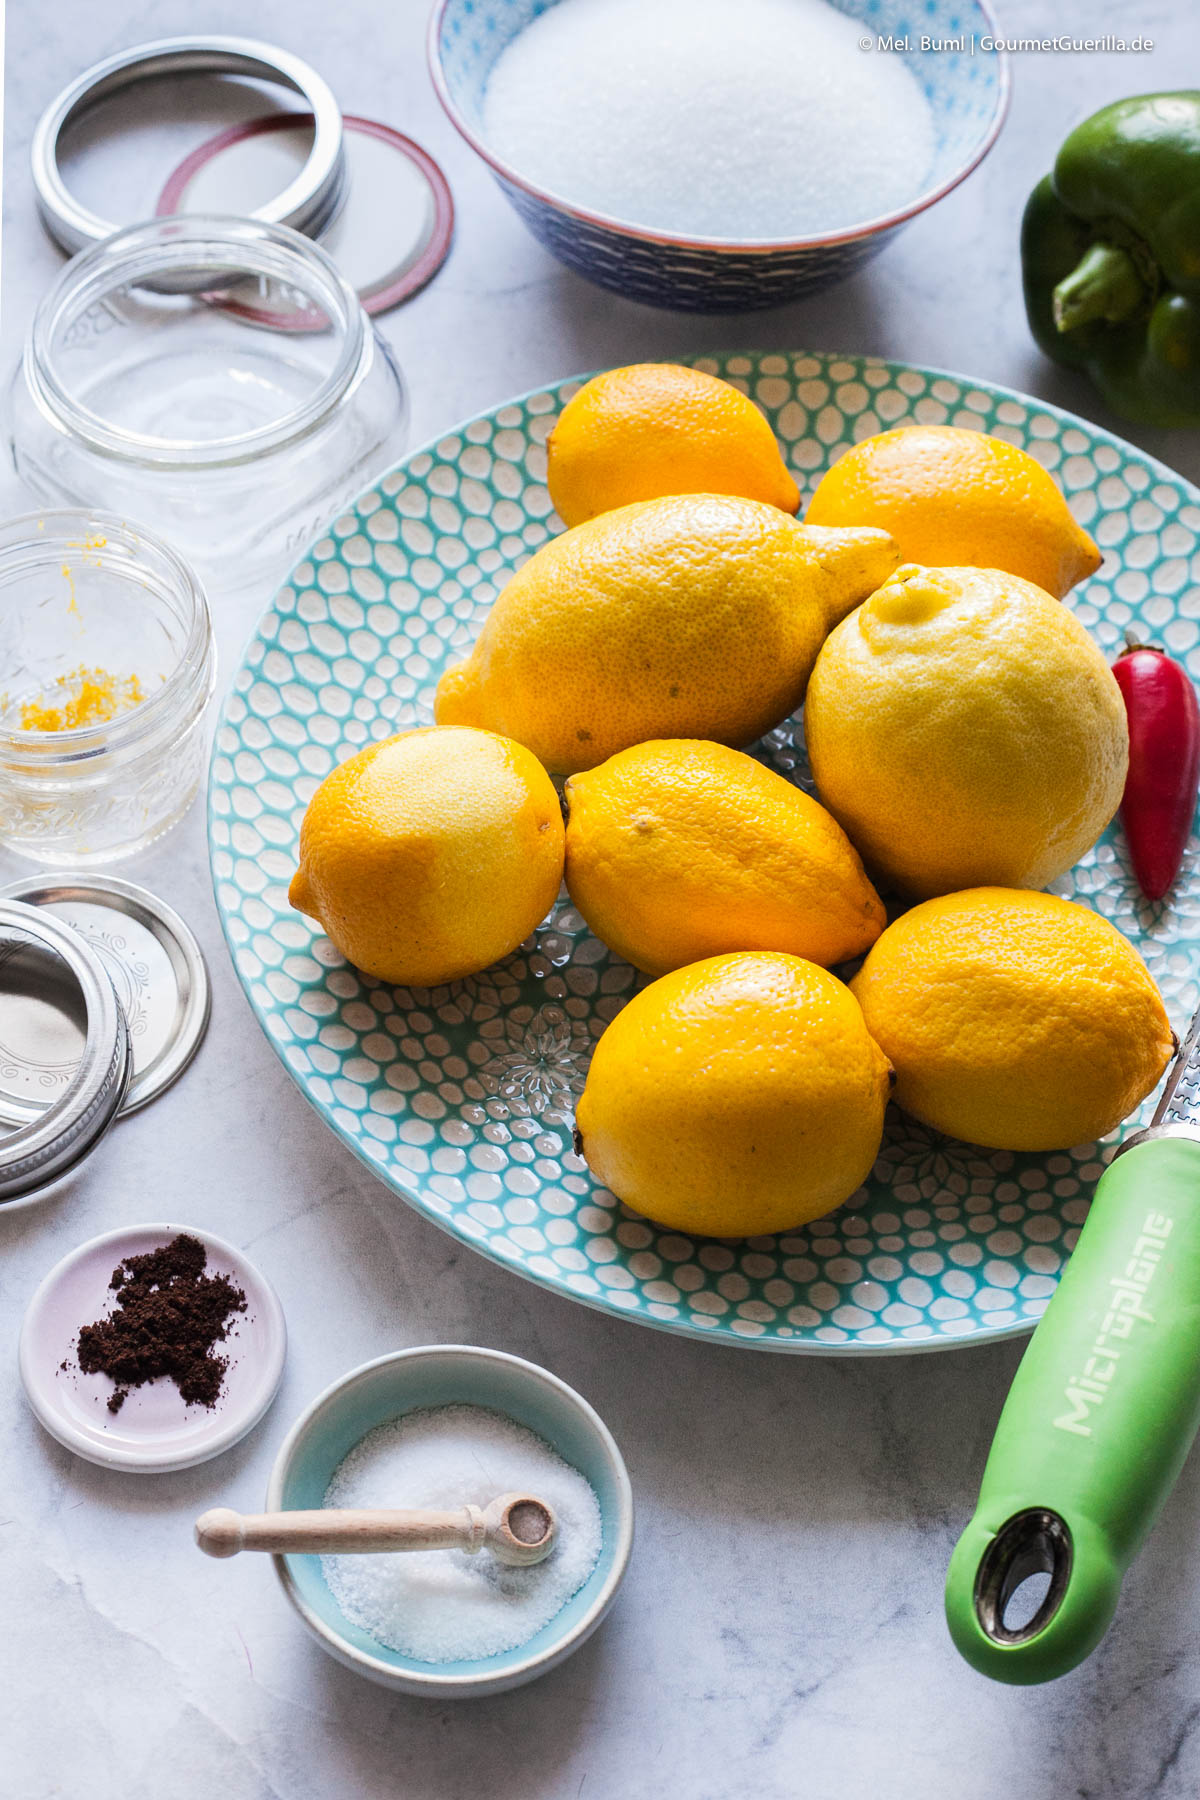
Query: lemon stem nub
[{"x": 300, "y": 895}]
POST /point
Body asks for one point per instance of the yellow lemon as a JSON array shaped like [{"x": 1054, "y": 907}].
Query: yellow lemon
[
  {"x": 430, "y": 855},
  {"x": 737, "y": 1096},
  {"x": 656, "y": 428},
  {"x": 698, "y": 615},
  {"x": 965, "y": 731},
  {"x": 678, "y": 850},
  {"x": 950, "y": 496},
  {"x": 1015, "y": 1020}
]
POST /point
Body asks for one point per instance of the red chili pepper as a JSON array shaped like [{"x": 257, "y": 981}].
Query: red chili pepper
[{"x": 1164, "y": 764}]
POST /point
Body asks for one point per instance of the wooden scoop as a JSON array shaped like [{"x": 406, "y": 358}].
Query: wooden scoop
[{"x": 516, "y": 1528}]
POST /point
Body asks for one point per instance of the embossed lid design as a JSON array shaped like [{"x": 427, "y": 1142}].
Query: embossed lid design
[{"x": 156, "y": 967}]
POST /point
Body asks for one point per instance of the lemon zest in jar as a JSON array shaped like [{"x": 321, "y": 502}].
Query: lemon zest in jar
[{"x": 86, "y": 697}]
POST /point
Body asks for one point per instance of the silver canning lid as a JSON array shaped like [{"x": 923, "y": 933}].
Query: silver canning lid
[
  {"x": 47, "y": 972},
  {"x": 153, "y": 962},
  {"x": 307, "y": 203}
]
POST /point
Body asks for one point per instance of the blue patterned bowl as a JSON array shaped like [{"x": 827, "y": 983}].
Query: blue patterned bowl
[
  {"x": 451, "y": 1375},
  {"x": 462, "y": 1097},
  {"x": 967, "y": 90}
]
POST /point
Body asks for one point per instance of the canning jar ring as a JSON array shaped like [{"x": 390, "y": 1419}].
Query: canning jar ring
[
  {"x": 54, "y": 1140},
  {"x": 307, "y": 204}
]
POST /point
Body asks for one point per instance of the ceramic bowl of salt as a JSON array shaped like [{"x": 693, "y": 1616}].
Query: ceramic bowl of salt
[
  {"x": 720, "y": 155},
  {"x": 442, "y": 1425}
]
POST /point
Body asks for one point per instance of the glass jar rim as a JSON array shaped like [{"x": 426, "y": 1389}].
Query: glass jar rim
[
  {"x": 150, "y": 253},
  {"x": 48, "y": 534}
]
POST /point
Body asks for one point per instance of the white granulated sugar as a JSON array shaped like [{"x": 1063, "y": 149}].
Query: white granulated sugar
[
  {"x": 735, "y": 119},
  {"x": 447, "y": 1605}
]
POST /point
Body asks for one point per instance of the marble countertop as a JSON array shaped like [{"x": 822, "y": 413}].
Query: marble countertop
[{"x": 780, "y": 1633}]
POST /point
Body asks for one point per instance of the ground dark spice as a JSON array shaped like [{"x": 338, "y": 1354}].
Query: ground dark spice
[{"x": 169, "y": 1318}]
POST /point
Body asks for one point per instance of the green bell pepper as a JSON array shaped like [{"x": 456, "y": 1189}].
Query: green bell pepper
[{"x": 1110, "y": 247}]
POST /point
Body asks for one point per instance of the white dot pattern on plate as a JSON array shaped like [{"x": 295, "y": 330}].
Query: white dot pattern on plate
[{"x": 462, "y": 1097}]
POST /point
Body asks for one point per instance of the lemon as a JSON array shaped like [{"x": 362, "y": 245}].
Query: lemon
[
  {"x": 950, "y": 496},
  {"x": 1015, "y": 1020},
  {"x": 657, "y": 428},
  {"x": 678, "y": 850},
  {"x": 737, "y": 1096},
  {"x": 698, "y": 615},
  {"x": 430, "y": 855},
  {"x": 965, "y": 731}
]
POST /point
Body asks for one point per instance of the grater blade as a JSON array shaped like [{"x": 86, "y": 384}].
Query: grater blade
[{"x": 1180, "y": 1102}]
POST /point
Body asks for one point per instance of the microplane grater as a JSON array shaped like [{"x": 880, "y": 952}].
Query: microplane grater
[
  {"x": 1179, "y": 1103},
  {"x": 1102, "y": 1412}
]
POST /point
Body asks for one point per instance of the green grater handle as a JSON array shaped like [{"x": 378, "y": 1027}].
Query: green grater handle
[{"x": 1096, "y": 1427}]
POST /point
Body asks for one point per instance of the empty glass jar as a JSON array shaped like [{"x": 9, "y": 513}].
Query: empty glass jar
[
  {"x": 215, "y": 379},
  {"x": 106, "y": 669}
]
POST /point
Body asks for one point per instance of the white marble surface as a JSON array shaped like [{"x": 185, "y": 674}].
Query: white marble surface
[{"x": 780, "y": 1633}]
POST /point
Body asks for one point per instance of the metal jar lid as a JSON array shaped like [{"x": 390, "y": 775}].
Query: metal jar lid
[
  {"x": 391, "y": 235},
  {"x": 39, "y": 953},
  {"x": 155, "y": 965},
  {"x": 308, "y": 202}
]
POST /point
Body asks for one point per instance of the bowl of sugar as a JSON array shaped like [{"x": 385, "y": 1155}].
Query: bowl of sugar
[
  {"x": 720, "y": 155},
  {"x": 441, "y": 1427}
]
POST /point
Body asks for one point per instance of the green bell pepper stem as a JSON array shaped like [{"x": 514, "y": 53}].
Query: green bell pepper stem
[
  {"x": 1096, "y": 1426},
  {"x": 1104, "y": 284}
]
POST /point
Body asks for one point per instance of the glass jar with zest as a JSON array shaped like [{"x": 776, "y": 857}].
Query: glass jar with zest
[
  {"x": 218, "y": 378},
  {"x": 106, "y": 670}
]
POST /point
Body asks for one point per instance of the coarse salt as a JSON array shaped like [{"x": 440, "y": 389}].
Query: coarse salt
[
  {"x": 448, "y": 1605},
  {"x": 732, "y": 119}
]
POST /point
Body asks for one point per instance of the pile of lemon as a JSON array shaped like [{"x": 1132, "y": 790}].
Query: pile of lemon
[{"x": 968, "y": 743}]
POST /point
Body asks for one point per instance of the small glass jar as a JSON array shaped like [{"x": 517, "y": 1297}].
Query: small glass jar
[
  {"x": 106, "y": 669},
  {"x": 216, "y": 379}
]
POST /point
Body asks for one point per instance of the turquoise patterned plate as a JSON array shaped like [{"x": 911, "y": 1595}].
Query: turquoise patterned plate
[{"x": 461, "y": 1097}]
